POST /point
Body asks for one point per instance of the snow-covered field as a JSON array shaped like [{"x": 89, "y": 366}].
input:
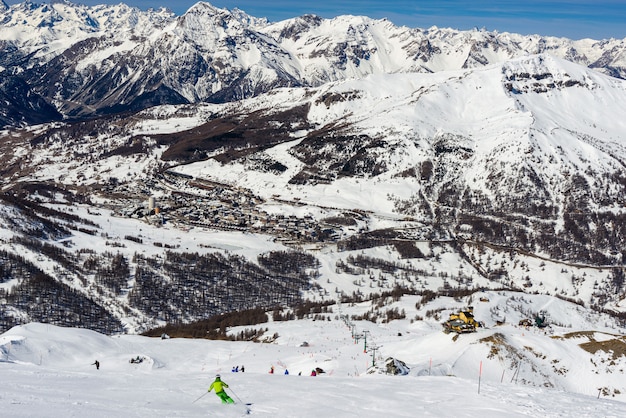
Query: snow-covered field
[{"x": 48, "y": 371}]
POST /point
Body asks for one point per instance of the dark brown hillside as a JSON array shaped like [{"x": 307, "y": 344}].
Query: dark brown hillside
[{"x": 234, "y": 136}]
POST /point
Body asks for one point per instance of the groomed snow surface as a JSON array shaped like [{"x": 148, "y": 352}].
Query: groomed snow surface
[{"x": 48, "y": 371}]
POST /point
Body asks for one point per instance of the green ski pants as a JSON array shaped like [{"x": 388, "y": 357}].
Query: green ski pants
[{"x": 224, "y": 397}]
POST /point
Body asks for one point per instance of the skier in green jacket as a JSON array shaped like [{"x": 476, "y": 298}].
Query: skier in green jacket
[{"x": 219, "y": 386}]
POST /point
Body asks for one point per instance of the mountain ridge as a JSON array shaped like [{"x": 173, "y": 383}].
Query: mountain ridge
[
  {"x": 132, "y": 59},
  {"x": 505, "y": 176}
]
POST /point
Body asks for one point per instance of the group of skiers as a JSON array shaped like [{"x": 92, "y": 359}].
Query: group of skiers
[
  {"x": 314, "y": 372},
  {"x": 218, "y": 385}
]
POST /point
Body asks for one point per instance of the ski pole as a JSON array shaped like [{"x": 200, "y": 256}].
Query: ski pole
[
  {"x": 239, "y": 399},
  {"x": 200, "y": 397}
]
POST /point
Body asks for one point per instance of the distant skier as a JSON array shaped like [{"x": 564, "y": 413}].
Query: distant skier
[
  {"x": 313, "y": 372},
  {"x": 286, "y": 371},
  {"x": 219, "y": 386},
  {"x": 97, "y": 364},
  {"x": 242, "y": 369},
  {"x": 272, "y": 370}
]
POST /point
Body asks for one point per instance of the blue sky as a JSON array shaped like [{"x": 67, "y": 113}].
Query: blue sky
[{"x": 575, "y": 19}]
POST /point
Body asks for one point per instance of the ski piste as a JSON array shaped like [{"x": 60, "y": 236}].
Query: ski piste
[{"x": 246, "y": 406}]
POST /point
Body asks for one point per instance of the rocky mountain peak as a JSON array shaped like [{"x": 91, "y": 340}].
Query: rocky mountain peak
[{"x": 214, "y": 54}]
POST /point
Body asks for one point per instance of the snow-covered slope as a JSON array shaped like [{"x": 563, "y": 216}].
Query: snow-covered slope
[
  {"x": 525, "y": 138},
  {"x": 500, "y": 371},
  {"x": 508, "y": 175}
]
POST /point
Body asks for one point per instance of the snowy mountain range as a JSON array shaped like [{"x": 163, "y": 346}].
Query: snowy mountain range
[
  {"x": 63, "y": 60},
  {"x": 218, "y": 171}
]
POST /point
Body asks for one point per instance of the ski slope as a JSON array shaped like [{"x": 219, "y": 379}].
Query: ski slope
[{"x": 48, "y": 371}]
